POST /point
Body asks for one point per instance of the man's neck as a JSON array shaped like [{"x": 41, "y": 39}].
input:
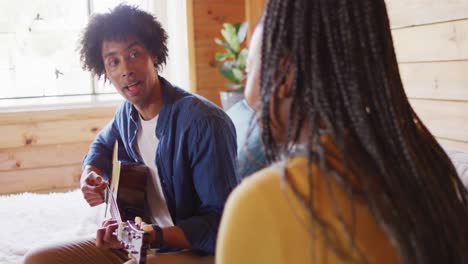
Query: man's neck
[
  {"x": 152, "y": 109},
  {"x": 149, "y": 112}
]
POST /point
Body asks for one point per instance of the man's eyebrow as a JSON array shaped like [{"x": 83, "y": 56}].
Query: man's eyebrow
[
  {"x": 133, "y": 44},
  {"x": 109, "y": 54}
]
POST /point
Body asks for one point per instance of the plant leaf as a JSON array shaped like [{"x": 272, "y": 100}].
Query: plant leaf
[
  {"x": 219, "y": 42},
  {"x": 242, "y": 58},
  {"x": 230, "y": 35},
  {"x": 238, "y": 74},
  {"x": 227, "y": 71},
  {"x": 242, "y": 31},
  {"x": 231, "y": 55},
  {"x": 220, "y": 56}
]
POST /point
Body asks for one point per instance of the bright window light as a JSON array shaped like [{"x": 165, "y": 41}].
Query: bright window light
[{"x": 39, "y": 47}]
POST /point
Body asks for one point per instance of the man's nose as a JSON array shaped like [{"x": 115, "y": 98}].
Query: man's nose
[{"x": 127, "y": 70}]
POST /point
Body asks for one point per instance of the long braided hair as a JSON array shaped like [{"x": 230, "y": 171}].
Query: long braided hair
[{"x": 346, "y": 85}]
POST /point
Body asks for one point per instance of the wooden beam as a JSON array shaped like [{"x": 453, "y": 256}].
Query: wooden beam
[
  {"x": 191, "y": 47},
  {"x": 253, "y": 13}
]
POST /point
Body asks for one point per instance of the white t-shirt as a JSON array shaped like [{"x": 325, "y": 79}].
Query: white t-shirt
[{"x": 147, "y": 144}]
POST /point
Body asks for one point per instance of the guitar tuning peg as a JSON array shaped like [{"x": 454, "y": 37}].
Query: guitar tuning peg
[
  {"x": 147, "y": 228},
  {"x": 138, "y": 220}
]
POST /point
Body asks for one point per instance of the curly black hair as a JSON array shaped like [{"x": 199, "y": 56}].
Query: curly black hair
[{"x": 120, "y": 23}]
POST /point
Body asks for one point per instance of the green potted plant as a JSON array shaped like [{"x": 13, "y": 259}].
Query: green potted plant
[{"x": 232, "y": 61}]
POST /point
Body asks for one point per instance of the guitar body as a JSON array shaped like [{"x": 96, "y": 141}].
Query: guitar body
[
  {"x": 128, "y": 201},
  {"x": 131, "y": 198}
]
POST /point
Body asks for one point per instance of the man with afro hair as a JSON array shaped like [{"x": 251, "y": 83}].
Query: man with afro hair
[{"x": 188, "y": 144}]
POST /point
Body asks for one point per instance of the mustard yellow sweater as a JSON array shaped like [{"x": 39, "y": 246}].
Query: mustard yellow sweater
[{"x": 264, "y": 222}]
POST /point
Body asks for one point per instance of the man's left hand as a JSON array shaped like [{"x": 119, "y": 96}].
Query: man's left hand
[{"x": 105, "y": 237}]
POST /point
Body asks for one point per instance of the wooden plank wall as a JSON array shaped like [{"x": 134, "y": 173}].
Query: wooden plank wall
[
  {"x": 207, "y": 18},
  {"x": 43, "y": 150},
  {"x": 253, "y": 13},
  {"x": 431, "y": 42}
]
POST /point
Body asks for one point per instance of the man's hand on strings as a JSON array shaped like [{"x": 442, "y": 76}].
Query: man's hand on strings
[{"x": 93, "y": 185}]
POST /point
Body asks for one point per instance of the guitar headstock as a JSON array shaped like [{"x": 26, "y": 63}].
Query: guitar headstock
[{"x": 134, "y": 240}]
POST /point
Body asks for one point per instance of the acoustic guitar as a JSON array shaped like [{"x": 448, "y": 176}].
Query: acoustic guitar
[{"x": 125, "y": 199}]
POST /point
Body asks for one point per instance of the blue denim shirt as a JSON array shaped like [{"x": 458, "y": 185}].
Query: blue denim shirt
[
  {"x": 250, "y": 152},
  {"x": 195, "y": 158}
]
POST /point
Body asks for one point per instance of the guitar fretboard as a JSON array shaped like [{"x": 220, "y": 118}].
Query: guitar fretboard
[{"x": 114, "y": 209}]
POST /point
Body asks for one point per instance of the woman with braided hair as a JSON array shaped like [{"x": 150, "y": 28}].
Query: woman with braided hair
[{"x": 355, "y": 176}]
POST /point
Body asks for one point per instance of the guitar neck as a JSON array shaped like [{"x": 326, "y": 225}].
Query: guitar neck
[{"x": 114, "y": 209}]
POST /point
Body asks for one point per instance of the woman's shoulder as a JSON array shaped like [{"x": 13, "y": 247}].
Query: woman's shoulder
[
  {"x": 261, "y": 180},
  {"x": 266, "y": 182}
]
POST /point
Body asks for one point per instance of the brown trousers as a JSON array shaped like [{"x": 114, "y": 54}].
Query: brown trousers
[{"x": 85, "y": 251}]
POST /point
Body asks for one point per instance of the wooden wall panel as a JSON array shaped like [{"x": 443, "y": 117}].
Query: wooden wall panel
[
  {"x": 419, "y": 12},
  {"x": 53, "y": 178},
  {"x": 253, "y": 12},
  {"x": 53, "y": 132},
  {"x": 208, "y": 17},
  {"x": 43, "y": 150},
  {"x": 436, "y": 42},
  {"x": 212, "y": 82},
  {"x": 220, "y": 11},
  {"x": 431, "y": 42},
  {"x": 445, "y": 119},
  {"x": 446, "y": 80},
  {"x": 72, "y": 113},
  {"x": 453, "y": 144},
  {"x": 42, "y": 156}
]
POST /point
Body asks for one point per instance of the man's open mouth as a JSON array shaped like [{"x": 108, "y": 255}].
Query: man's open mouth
[{"x": 133, "y": 88}]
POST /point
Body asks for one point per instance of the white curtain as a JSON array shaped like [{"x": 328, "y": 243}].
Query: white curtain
[{"x": 173, "y": 16}]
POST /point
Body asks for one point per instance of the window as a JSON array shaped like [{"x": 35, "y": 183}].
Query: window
[{"x": 39, "y": 46}]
